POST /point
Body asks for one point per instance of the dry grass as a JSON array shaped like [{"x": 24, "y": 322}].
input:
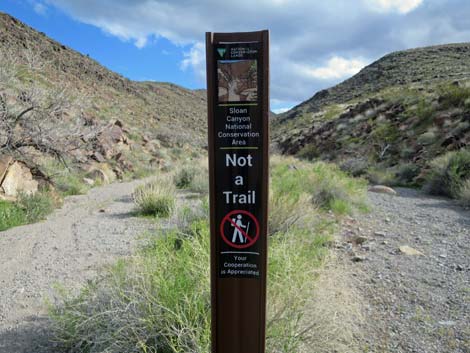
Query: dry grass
[
  {"x": 155, "y": 198},
  {"x": 333, "y": 314},
  {"x": 193, "y": 176}
]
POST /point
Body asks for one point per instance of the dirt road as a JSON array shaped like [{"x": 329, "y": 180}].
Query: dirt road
[
  {"x": 415, "y": 272},
  {"x": 88, "y": 232}
]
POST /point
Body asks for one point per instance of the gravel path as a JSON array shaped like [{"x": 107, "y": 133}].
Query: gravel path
[
  {"x": 414, "y": 303},
  {"x": 88, "y": 232}
]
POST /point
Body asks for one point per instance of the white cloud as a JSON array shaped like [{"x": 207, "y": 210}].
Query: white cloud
[
  {"x": 314, "y": 44},
  {"x": 280, "y": 110},
  {"x": 195, "y": 58},
  {"x": 40, "y": 9},
  {"x": 141, "y": 42},
  {"x": 335, "y": 68},
  {"x": 401, "y": 6}
]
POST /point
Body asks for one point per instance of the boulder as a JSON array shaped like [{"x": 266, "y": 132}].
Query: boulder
[
  {"x": 101, "y": 172},
  {"x": 109, "y": 139},
  {"x": 5, "y": 162},
  {"x": 18, "y": 178},
  {"x": 382, "y": 189}
]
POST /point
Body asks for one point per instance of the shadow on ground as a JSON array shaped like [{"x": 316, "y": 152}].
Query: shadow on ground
[{"x": 32, "y": 336}]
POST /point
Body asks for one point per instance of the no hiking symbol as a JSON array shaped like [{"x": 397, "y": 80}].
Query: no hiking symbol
[{"x": 239, "y": 229}]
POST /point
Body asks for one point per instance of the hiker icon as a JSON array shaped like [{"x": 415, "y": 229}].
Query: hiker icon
[
  {"x": 238, "y": 225},
  {"x": 239, "y": 229}
]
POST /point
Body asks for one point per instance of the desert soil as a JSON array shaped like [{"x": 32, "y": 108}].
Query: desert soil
[
  {"x": 417, "y": 302},
  {"x": 413, "y": 303},
  {"x": 87, "y": 233}
]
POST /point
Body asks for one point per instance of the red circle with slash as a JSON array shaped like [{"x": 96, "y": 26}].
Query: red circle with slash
[{"x": 250, "y": 240}]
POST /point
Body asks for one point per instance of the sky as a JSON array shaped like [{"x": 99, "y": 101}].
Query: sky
[{"x": 314, "y": 44}]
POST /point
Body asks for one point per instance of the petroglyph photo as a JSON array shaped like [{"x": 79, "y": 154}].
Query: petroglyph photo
[{"x": 238, "y": 80}]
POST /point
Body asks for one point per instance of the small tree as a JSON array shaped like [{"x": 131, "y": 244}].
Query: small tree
[{"x": 38, "y": 118}]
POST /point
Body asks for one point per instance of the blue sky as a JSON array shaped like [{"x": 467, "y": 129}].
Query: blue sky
[{"x": 314, "y": 44}]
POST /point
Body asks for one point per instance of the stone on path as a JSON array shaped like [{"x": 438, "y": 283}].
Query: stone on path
[
  {"x": 382, "y": 189},
  {"x": 408, "y": 250},
  {"x": 360, "y": 239}
]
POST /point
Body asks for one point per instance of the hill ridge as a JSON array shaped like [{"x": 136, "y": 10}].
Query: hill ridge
[{"x": 377, "y": 70}]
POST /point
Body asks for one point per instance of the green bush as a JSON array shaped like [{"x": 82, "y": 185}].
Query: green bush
[
  {"x": 354, "y": 166},
  {"x": 453, "y": 96},
  {"x": 69, "y": 183},
  {"x": 184, "y": 177},
  {"x": 448, "y": 173},
  {"x": 11, "y": 215},
  {"x": 67, "y": 180},
  {"x": 427, "y": 138},
  {"x": 308, "y": 152},
  {"x": 332, "y": 112},
  {"x": 155, "y": 198},
  {"x": 194, "y": 178},
  {"x": 328, "y": 187},
  {"x": 36, "y": 207},
  {"x": 407, "y": 173},
  {"x": 286, "y": 212},
  {"x": 424, "y": 111},
  {"x": 27, "y": 209}
]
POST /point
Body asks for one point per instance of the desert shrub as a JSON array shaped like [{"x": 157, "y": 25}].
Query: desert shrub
[
  {"x": 354, "y": 166},
  {"x": 424, "y": 111},
  {"x": 286, "y": 211},
  {"x": 11, "y": 215},
  {"x": 70, "y": 183},
  {"x": 453, "y": 96},
  {"x": 200, "y": 181},
  {"x": 461, "y": 128},
  {"x": 36, "y": 207},
  {"x": 328, "y": 187},
  {"x": 184, "y": 177},
  {"x": 407, "y": 172},
  {"x": 157, "y": 302},
  {"x": 448, "y": 173},
  {"x": 464, "y": 194},
  {"x": 332, "y": 112},
  {"x": 407, "y": 152},
  {"x": 155, "y": 198},
  {"x": 194, "y": 178},
  {"x": 308, "y": 152},
  {"x": 381, "y": 176},
  {"x": 188, "y": 215},
  {"x": 327, "y": 194},
  {"x": 427, "y": 138}
]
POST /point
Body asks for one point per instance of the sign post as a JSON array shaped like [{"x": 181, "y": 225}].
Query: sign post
[{"x": 238, "y": 110}]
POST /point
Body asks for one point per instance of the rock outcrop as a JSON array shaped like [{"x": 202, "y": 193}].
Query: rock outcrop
[{"x": 17, "y": 178}]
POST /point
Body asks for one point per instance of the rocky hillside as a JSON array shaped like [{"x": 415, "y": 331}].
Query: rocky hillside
[
  {"x": 403, "y": 68},
  {"x": 389, "y": 120},
  {"x": 56, "y": 102}
]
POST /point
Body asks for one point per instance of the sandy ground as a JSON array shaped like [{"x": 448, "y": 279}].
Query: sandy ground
[{"x": 89, "y": 231}]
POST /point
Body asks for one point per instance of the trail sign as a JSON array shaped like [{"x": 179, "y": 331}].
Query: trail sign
[{"x": 238, "y": 110}]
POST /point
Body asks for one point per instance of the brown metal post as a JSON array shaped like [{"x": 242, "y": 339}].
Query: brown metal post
[{"x": 238, "y": 113}]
